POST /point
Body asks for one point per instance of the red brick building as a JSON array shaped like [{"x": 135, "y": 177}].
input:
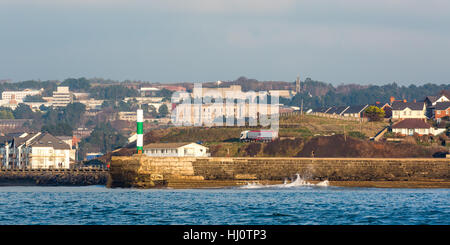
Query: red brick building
[{"x": 442, "y": 109}]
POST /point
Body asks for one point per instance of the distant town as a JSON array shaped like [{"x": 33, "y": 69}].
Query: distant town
[{"x": 82, "y": 122}]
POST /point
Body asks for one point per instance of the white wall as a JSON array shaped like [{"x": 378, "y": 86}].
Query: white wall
[
  {"x": 408, "y": 113},
  {"x": 47, "y": 157},
  {"x": 192, "y": 149}
]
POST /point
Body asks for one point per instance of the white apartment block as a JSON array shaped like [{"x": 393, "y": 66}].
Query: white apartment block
[
  {"x": 19, "y": 95},
  {"x": 62, "y": 97},
  {"x": 38, "y": 150}
]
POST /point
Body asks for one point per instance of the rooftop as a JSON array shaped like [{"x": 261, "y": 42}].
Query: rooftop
[
  {"x": 167, "y": 145},
  {"x": 412, "y": 123},
  {"x": 400, "y": 105},
  {"x": 442, "y": 105}
]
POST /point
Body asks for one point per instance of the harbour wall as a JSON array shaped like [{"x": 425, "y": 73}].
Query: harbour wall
[
  {"x": 141, "y": 171},
  {"x": 53, "y": 177}
]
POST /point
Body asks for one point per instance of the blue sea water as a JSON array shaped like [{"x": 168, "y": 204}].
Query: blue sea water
[{"x": 296, "y": 205}]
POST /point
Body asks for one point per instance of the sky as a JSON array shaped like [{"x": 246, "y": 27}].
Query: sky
[{"x": 340, "y": 42}]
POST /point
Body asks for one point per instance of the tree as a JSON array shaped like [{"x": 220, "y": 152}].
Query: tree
[
  {"x": 80, "y": 84},
  {"x": 73, "y": 113},
  {"x": 163, "y": 110},
  {"x": 23, "y": 111},
  {"x": 59, "y": 129},
  {"x": 374, "y": 113},
  {"x": 104, "y": 138},
  {"x": 6, "y": 114},
  {"x": 113, "y": 92},
  {"x": 33, "y": 98}
]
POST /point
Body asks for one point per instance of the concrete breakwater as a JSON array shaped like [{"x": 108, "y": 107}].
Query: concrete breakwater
[
  {"x": 188, "y": 172},
  {"x": 53, "y": 177}
]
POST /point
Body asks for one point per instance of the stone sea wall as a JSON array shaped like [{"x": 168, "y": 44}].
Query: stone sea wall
[
  {"x": 187, "y": 172},
  {"x": 49, "y": 177}
]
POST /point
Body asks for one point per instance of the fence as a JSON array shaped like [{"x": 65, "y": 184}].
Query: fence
[{"x": 357, "y": 119}]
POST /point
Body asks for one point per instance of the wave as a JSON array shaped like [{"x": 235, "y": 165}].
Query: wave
[{"x": 299, "y": 181}]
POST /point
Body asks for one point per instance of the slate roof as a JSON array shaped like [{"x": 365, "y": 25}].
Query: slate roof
[
  {"x": 48, "y": 140},
  {"x": 400, "y": 105},
  {"x": 442, "y": 105},
  {"x": 341, "y": 109},
  {"x": 21, "y": 140},
  {"x": 411, "y": 123},
  {"x": 355, "y": 109},
  {"x": 322, "y": 109},
  {"x": 432, "y": 99}
]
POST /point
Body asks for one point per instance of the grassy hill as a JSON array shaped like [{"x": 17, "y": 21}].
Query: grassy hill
[{"x": 299, "y": 136}]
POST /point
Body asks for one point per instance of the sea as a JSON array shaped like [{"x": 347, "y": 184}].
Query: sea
[{"x": 295, "y": 202}]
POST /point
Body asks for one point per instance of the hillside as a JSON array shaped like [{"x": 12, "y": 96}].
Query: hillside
[{"x": 305, "y": 134}]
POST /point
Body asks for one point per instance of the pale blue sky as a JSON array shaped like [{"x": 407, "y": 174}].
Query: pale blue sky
[{"x": 346, "y": 41}]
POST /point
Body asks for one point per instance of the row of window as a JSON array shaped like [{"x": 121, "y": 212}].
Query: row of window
[{"x": 162, "y": 151}]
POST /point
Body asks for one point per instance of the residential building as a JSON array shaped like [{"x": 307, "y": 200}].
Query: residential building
[
  {"x": 6, "y": 124},
  {"x": 175, "y": 150},
  {"x": 69, "y": 140},
  {"x": 442, "y": 109},
  {"x": 36, "y": 150},
  {"x": 127, "y": 116},
  {"x": 411, "y": 126},
  {"x": 337, "y": 110},
  {"x": 355, "y": 111},
  {"x": 81, "y": 133},
  {"x": 62, "y": 96},
  {"x": 404, "y": 109},
  {"x": 431, "y": 102}
]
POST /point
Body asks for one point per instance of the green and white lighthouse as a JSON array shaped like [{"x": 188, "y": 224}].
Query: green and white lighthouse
[{"x": 140, "y": 131}]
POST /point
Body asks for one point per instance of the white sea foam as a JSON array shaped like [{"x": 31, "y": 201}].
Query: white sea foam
[{"x": 299, "y": 181}]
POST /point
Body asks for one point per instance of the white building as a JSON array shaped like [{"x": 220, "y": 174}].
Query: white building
[
  {"x": 36, "y": 150},
  {"x": 92, "y": 104},
  {"x": 176, "y": 150},
  {"x": 413, "y": 126},
  {"x": 403, "y": 110},
  {"x": 19, "y": 95},
  {"x": 62, "y": 97},
  {"x": 127, "y": 116}
]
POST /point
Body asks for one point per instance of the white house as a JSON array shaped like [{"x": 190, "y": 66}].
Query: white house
[
  {"x": 36, "y": 150},
  {"x": 403, "y": 110},
  {"x": 175, "y": 150},
  {"x": 413, "y": 126}
]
